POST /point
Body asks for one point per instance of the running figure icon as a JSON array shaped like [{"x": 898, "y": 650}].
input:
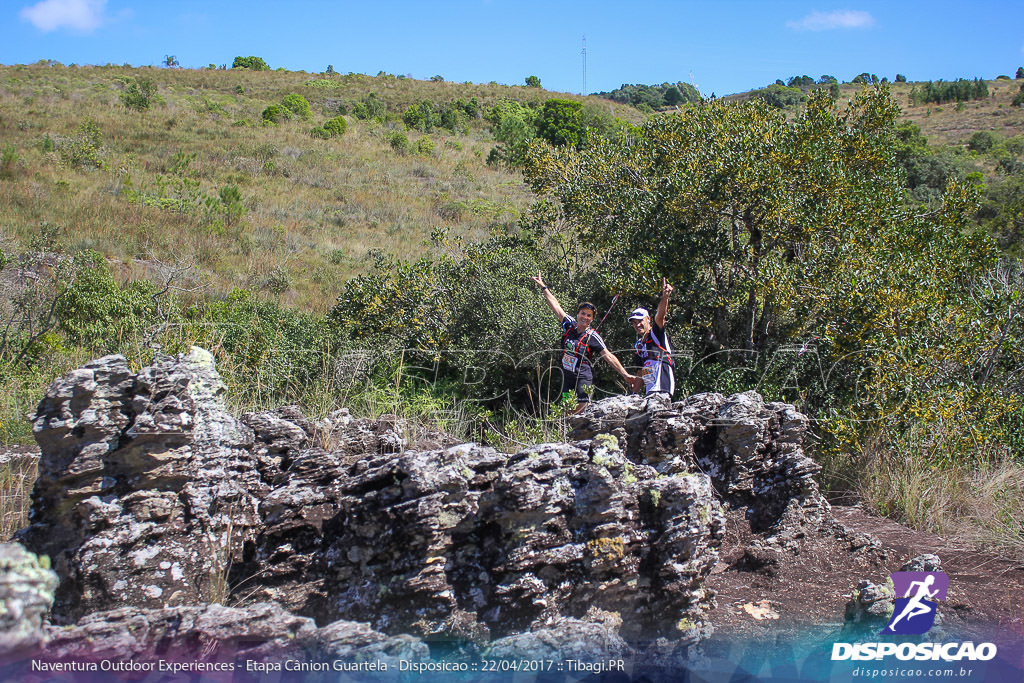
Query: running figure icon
[
  {"x": 915, "y": 607},
  {"x": 914, "y": 613}
]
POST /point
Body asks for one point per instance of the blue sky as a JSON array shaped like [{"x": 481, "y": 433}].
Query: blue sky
[{"x": 728, "y": 46}]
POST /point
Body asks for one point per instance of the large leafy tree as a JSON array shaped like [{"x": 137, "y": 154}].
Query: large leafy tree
[{"x": 780, "y": 232}]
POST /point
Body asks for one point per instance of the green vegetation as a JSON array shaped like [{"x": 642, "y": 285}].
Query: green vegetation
[
  {"x": 139, "y": 95},
  {"x": 941, "y": 92},
  {"x": 251, "y": 63},
  {"x": 835, "y": 252},
  {"x": 653, "y": 97}
]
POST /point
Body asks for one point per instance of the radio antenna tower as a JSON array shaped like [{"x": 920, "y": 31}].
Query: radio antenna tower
[{"x": 584, "y": 66}]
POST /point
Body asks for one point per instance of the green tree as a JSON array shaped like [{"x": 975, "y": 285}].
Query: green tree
[
  {"x": 532, "y": 82},
  {"x": 673, "y": 96},
  {"x": 782, "y": 230},
  {"x": 560, "y": 122},
  {"x": 1020, "y": 72},
  {"x": 252, "y": 63}
]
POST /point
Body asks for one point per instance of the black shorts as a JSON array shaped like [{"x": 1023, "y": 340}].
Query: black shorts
[{"x": 583, "y": 387}]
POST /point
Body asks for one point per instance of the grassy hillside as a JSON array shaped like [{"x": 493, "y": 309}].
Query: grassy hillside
[{"x": 311, "y": 209}]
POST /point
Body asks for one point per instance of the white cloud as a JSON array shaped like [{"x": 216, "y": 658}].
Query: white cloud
[
  {"x": 80, "y": 15},
  {"x": 825, "y": 21}
]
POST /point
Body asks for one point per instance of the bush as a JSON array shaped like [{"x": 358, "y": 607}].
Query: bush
[
  {"x": 532, "y": 82},
  {"x": 336, "y": 127},
  {"x": 561, "y": 123},
  {"x": 251, "y": 63},
  {"x": 83, "y": 148},
  {"x": 8, "y": 161},
  {"x": 425, "y": 146},
  {"x": 780, "y": 96},
  {"x": 319, "y": 132},
  {"x": 398, "y": 141},
  {"x": 370, "y": 107},
  {"x": 298, "y": 106},
  {"x": 139, "y": 95},
  {"x": 982, "y": 141},
  {"x": 275, "y": 113}
]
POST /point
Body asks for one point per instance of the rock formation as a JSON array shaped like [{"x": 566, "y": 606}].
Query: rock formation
[{"x": 154, "y": 501}]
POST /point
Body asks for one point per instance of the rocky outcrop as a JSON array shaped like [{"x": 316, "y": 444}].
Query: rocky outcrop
[
  {"x": 147, "y": 487},
  {"x": 26, "y": 593},
  {"x": 151, "y": 496},
  {"x": 205, "y": 633},
  {"x": 752, "y": 450}
]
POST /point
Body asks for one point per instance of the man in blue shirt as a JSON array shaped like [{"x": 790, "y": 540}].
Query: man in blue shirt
[{"x": 653, "y": 350}]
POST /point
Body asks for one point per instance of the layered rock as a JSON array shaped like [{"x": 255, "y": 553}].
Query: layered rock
[
  {"x": 26, "y": 593},
  {"x": 147, "y": 489},
  {"x": 204, "y": 633},
  {"x": 752, "y": 450},
  {"x": 152, "y": 496}
]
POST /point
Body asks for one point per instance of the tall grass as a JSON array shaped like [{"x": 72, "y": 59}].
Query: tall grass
[
  {"x": 17, "y": 476},
  {"x": 973, "y": 503}
]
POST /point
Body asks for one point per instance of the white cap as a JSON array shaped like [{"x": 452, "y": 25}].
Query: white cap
[{"x": 639, "y": 314}]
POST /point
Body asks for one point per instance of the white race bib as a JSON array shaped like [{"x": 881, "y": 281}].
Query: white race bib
[
  {"x": 651, "y": 372},
  {"x": 570, "y": 361}
]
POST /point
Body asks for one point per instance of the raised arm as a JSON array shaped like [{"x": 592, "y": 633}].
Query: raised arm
[
  {"x": 666, "y": 291},
  {"x": 549, "y": 297}
]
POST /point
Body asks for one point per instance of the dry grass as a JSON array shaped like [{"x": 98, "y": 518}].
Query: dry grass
[
  {"x": 977, "y": 503},
  {"x": 314, "y": 208},
  {"x": 17, "y": 476}
]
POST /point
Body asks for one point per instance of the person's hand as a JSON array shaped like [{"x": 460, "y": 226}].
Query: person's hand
[
  {"x": 666, "y": 288},
  {"x": 539, "y": 280},
  {"x": 635, "y": 383}
]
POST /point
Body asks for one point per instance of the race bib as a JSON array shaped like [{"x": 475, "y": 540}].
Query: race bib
[
  {"x": 650, "y": 372},
  {"x": 570, "y": 361}
]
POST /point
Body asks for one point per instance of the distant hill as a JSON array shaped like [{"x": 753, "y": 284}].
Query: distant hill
[{"x": 147, "y": 164}]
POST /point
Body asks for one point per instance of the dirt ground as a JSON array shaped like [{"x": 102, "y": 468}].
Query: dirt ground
[{"x": 762, "y": 591}]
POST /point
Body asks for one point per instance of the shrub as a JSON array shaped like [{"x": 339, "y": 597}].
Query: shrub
[
  {"x": 336, "y": 127},
  {"x": 298, "y": 106},
  {"x": 138, "y": 95},
  {"x": 425, "y": 146},
  {"x": 370, "y": 107},
  {"x": 231, "y": 203},
  {"x": 251, "y": 63},
  {"x": 319, "y": 132},
  {"x": 83, "y": 148},
  {"x": 1020, "y": 72},
  {"x": 420, "y": 116},
  {"x": 561, "y": 123},
  {"x": 780, "y": 96},
  {"x": 982, "y": 141},
  {"x": 275, "y": 113},
  {"x": 900, "y": 78},
  {"x": 8, "y": 161},
  {"x": 398, "y": 141},
  {"x": 532, "y": 82}
]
